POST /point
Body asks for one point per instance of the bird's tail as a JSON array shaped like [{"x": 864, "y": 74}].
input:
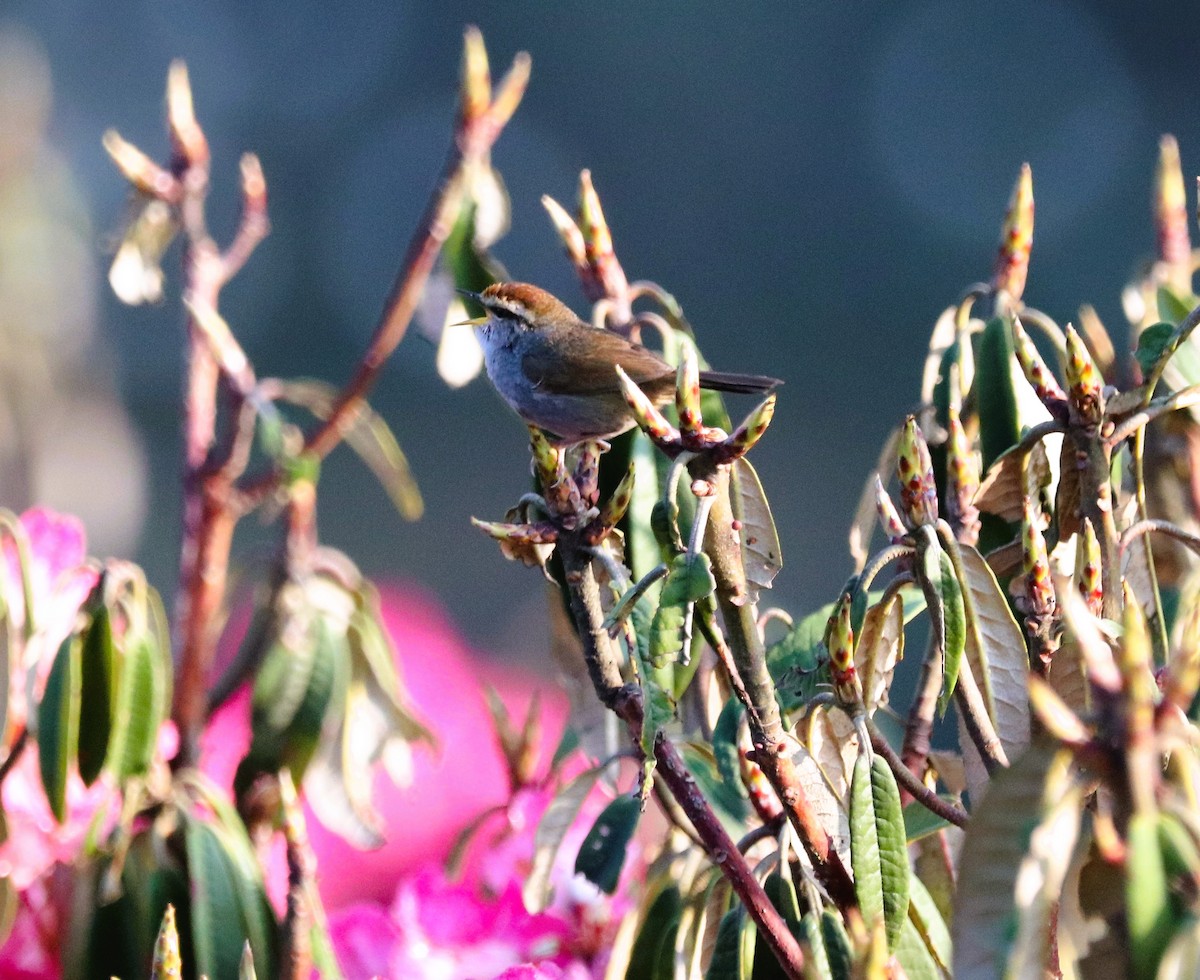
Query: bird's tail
[{"x": 738, "y": 384}]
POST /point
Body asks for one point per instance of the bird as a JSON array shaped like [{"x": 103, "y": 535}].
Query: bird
[{"x": 558, "y": 373}]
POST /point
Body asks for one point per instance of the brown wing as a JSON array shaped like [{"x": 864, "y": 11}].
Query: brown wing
[{"x": 589, "y": 362}]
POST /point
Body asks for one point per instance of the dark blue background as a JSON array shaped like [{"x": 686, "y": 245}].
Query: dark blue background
[{"x": 814, "y": 182}]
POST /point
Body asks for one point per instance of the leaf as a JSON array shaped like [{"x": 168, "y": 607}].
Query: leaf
[
  {"x": 837, "y": 944},
  {"x": 657, "y": 934},
  {"x": 666, "y": 634},
  {"x": 880, "y": 647},
  {"x": 795, "y": 659},
  {"x": 1001, "y": 665},
  {"x": 892, "y": 843},
  {"x": 98, "y": 673},
  {"x": 1008, "y": 480},
  {"x": 1171, "y": 306},
  {"x": 920, "y": 822},
  {"x": 724, "y": 796},
  {"x": 997, "y": 840},
  {"x": 567, "y": 744},
  {"x": 995, "y": 393},
  {"x": 556, "y": 820},
  {"x": 923, "y": 912},
  {"x": 914, "y": 956},
  {"x": 817, "y": 958},
  {"x": 1151, "y": 344},
  {"x": 955, "y": 620},
  {"x": 761, "y": 553},
  {"x": 726, "y": 753},
  {"x": 602, "y": 853},
  {"x": 733, "y": 955},
  {"x": 689, "y": 579},
  {"x": 142, "y": 704},
  {"x": 216, "y": 917},
  {"x": 1043, "y": 871},
  {"x": 370, "y": 438},
  {"x": 1149, "y": 915},
  {"x": 58, "y": 723},
  {"x": 864, "y": 844}
]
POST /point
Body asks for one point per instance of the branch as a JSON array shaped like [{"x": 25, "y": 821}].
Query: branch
[
  {"x": 625, "y": 700},
  {"x": 913, "y": 785},
  {"x": 771, "y": 745},
  {"x": 476, "y": 131}
]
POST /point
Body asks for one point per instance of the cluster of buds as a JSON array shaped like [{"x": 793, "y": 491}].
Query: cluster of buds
[
  {"x": 569, "y": 504},
  {"x": 1016, "y": 239},
  {"x": 589, "y": 244},
  {"x": 693, "y": 436},
  {"x": 1083, "y": 401}
]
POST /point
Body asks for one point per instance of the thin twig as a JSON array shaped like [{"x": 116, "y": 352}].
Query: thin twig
[
  {"x": 1150, "y": 525},
  {"x": 912, "y": 785}
]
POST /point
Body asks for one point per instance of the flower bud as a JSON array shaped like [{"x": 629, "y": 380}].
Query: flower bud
[
  {"x": 1016, "y": 238},
  {"x": 745, "y": 437},
  {"x": 607, "y": 276},
  {"x": 687, "y": 391},
  {"x": 1035, "y": 563},
  {"x": 839, "y": 639},
  {"x": 1087, "y": 569},
  {"x": 889, "y": 517},
  {"x": 649, "y": 419},
  {"x": 1170, "y": 208},
  {"x": 962, "y": 481},
  {"x": 1083, "y": 380},
  {"x": 1045, "y": 385},
  {"x": 918, "y": 490}
]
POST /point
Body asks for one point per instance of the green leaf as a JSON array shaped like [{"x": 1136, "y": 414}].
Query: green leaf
[
  {"x": 817, "y": 959},
  {"x": 955, "y": 620},
  {"x": 58, "y": 723},
  {"x": 657, "y": 934},
  {"x": 370, "y": 438},
  {"x": 725, "y": 748},
  {"x": 733, "y": 955},
  {"x": 923, "y": 912},
  {"x": 216, "y": 916},
  {"x": 837, "y": 945},
  {"x": 1149, "y": 914},
  {"x": 730, "y": 805},
  {"x": 920, "y": 822},
  {"x": 569, "y": 742},
  {"x": 864, "y": 843},
  {"x": 893, "y": 847},
  {"x": 689, "y": 579},
  {"x": 142, "y": 704},
  {"x": 98, "y": 673},
  {"x": 551, "y": 829},
  {"x": 999, "y": 425},
  {"x": 1171, "y": 306},
  {"x": 1151, "y": 344},
  {"x": 666, "y": 634},
  {"x": 914, "y": 955},
  {"x": 602, "y": 853}
]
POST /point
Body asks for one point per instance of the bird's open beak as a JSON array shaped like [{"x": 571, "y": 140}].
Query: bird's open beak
[{"x": 475, "y": 321}]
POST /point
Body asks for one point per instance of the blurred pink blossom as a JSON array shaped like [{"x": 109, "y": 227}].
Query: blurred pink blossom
[{"x": 36, "y": 843}]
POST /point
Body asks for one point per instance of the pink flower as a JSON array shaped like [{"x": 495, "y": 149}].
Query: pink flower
[{"x": 37, "y": 844}]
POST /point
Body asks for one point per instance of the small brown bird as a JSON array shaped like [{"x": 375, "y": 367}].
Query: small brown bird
[{"x": 558, "y": 373}]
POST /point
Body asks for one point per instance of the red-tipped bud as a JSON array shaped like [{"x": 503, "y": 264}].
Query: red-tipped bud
[
  {"x": 918, "y": 490},
  {"x": 889, "y": 517},
  {"x": 1087, "y": 569},
  {"x": 1135, "y": 661},
  {"x": 839, "y": 639},
  {"x": 558, "y": 489},
  {"x": 762, "y": 796},
  {"x": 649, "y": 419},
  {"x": 510, "y": 91},
  {"x": 587, "y": 472},
  {"x": 540, "y": 532},
  {"x": 615, "y": 507},
  {"x": 1084, "y": 383},
  {"x": 962, "y": 479},
  {"x": 606, "y": 273},
  {"x": 167, "y": 963},
  {"x": 1035, "y": 563},
  {"x": 1036, "y": 373},
  {"x": 745, "y": 437},
  {"x": 1170, "y": 209},
  {"x": 687, "y": 391},
  {"x": 1016, "y": 238}
]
